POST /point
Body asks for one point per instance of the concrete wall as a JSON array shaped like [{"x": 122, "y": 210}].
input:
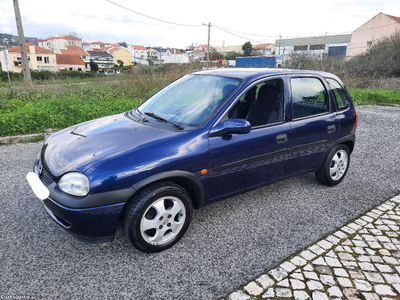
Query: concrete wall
[{"x": 378, "y": 27}]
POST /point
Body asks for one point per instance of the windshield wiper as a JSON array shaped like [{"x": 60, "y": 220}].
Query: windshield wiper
[{"x": 161, "y": 119}]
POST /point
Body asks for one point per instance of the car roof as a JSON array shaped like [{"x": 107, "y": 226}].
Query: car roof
[{"x": 244, "y": 73}]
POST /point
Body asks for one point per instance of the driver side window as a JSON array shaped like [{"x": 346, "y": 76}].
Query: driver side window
[{"x": 261, "y": 105}]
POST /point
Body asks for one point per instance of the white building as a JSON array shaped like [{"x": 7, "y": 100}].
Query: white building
[
  {"x": 59, "y": 42},
  {"x": 331, "y": 45}
]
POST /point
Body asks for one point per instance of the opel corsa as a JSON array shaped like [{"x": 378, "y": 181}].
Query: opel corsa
[{"x": 207, "y": 136}]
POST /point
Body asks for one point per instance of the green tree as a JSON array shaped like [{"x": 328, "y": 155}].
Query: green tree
[
  {"x": 247, "y": 49},
  {"x": 232, "y": 55},
  {"x": 93, "y": 66},
  {"x": 120, "y": 63}
]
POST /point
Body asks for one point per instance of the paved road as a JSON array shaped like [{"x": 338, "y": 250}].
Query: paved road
[{"x": 228, "y": 243}]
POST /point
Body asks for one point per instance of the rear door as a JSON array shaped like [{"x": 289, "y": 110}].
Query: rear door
[{"x": 314, "y": 122}]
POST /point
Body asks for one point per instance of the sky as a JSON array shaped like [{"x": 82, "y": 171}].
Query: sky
[{"x": 232, "y": 22}]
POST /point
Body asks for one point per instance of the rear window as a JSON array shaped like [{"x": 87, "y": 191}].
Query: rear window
[
  {"x": 309, "y": 97},
  {"x": 342, "y": 101}
]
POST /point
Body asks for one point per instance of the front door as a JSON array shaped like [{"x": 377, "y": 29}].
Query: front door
[{"x": 244, "y": 161}]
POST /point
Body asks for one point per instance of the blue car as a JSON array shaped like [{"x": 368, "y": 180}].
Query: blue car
[{"x": 206, "y": 137}]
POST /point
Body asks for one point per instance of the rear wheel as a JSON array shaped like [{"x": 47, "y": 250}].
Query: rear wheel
[
  {"x": 158, "y": 217},
  {"x": 335, "y": 166}
]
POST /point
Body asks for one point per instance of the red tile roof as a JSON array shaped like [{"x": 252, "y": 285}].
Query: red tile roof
[
  {"x": 138, "y": 47},
  {"x": 38, "y": 49},
  {"x": 63, "y": 59},
  {"x": 175, "y": 52},
  {"x": 397, "y": 19},
  {"x": 97, "y": 43},
  {"x": 199, "y": 51},
  {"x": 74, "y": 50},
  {"x": 65, "y": 37},
  {"x": 113, "y": 49},
  {"x": 261, "y": 46}
]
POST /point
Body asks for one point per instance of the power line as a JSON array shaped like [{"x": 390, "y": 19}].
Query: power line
[
  {"x": 238, "y": 35},
  {"x": 254, "y": 34},
  {"x": 153, "y": 18}
]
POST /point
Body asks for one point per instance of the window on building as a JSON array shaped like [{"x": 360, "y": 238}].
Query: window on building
[
  {"x": 46, "y": 60},
  {"x": 79, "y": 69},
  {"x": 317, "y": 47},
  {"x": 340, "y": 96},
  {"x": 309, "y": 97},
  {"x": 70, "y": 69},
  {"x": 369, "y": 43},
  {"x": 39, "y": 58},
  {"x": 300, "y": 48}
]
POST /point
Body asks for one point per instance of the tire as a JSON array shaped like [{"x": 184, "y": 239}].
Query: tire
[
  {"x": 335, "y": 166},
  {"x": 157, "y": 217}
]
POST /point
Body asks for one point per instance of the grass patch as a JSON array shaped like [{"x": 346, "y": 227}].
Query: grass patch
[
  {"x": 33, "y": 110},
  {"x": 369, "y": 97}
]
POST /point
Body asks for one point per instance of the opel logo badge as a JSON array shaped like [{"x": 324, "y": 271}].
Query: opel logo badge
[{"x": 40, "y": 170}]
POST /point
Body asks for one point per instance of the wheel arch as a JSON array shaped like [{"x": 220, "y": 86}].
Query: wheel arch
[
  {"x": 349, "y": 141},
  {"x": 190, "y": 182}
]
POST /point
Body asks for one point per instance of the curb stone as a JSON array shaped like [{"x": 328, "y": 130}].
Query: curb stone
[{"x": 361, "y": 260}]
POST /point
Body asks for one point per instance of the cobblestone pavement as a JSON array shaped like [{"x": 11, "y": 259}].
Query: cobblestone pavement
[{"x": 359, "y": 261}]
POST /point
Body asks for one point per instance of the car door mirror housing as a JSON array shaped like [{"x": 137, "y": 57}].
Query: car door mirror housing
[{"x": 231, "y": 126}]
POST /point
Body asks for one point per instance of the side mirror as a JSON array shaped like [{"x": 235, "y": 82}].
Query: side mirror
[{"x": 231, "y": 126}]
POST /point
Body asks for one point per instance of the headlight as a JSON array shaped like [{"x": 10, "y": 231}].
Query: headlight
[{"x": 74, "y": 183}]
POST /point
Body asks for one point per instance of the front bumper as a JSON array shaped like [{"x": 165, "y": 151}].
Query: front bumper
[
  {"x": 97, "y": 224},
  {"x": 93, "y": 218}
]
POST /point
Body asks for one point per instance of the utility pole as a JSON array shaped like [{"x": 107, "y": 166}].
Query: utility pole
[
  {"x": 279, "y": 52},
  {"x": 208, "y": 44},
  {"x": 25, "y": 64}
]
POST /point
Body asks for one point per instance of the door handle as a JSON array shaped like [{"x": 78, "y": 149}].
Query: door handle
[
  {"x": 331, "y": 128},
  {"x": 281, "y": 139}
]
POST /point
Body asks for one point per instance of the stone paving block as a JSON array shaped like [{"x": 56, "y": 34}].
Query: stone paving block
[
  {"x": 297, "y": 284},
  {"x": 391, "y": 234},
  {"x": 374, "y": 245},
  {"x": 349, "y": 293},
  {"x": 335, "y": 291},
  {"x": 278, "y": 274},
  {"x": 319, "y": 261},
  {"x": 389, "y": 246},
  {"x": 314, "y": 285},
  {"x": 383, "y": 239},
  {"x": 340, "y": 272},
  {"x": 308, "y": 268},
  {"x": 354, "y": 226},
  {"x": 269, "y": 293},
  {"x": 360, "y": 244},
  {"x": 319, "y": 296},
  {"x": 384, "y": 268},
  {"x": 339, "y": 249},
  {"x": 298, "y": 276},
  {"x": 346, "y": 256},
  {"x": 331, "y": 254},
  {"x": 283, "y": 283},
  {"x": 367, "y": 219},
  {"x": 359, "y": 250},
  {"x": 392, "y": 278},
  {"x": 324, "y": 270},
  {"x": 370, "y": 296},
  {"x": 344, "y": 282},
  {"x": 287, "y": 266},
  {"x": 265, "y": 281},
  {"x": 301, "y": 295},
  {"x": 362, "y": 285},
  {"x": 370, "y": 251},
  {"x": 327, "y": 280},
  {"x": 374, "y": 277},
  {"x": 311, "y": 275},
  {"x": 239, "y": 295},
  {"x": 356, "y": 275},
  {"x": 325, "y": 244},
  {"x": 376, "y": 259},
  {"x": 332, "y": 239},
  {"x": 363, "y": 258},
  {"x": 348, "y": 230},
  {"x": 348, "y": 249},
  {"x": 383, "y": 227},
  {"x": 383, "y": 289},
  {"x": 253, "y": 289},
  {"x": 366, "y": 266},
  {"x": 316, "y": 249},
  {"x": 284, "y": 293},
  {"x": 333, "y": 262},
  {"x": 361, "y": 222},
  {"x": 390, "y": 260},
  {"x": 298, "y": 261},
  {"x": 350, "y": 264},
  {"x": 376, "y": 232},
  {"x": 307, "y": 255},
  {"x": 341, "y": 234}
]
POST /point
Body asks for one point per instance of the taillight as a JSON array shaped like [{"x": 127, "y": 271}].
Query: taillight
[{"x": 355, "y": 127}]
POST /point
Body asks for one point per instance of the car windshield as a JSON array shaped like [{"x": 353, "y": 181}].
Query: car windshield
[{"x": 189, "y": 101}]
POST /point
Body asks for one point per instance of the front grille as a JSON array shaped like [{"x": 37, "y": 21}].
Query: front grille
[{"x": 46, "y": 177}]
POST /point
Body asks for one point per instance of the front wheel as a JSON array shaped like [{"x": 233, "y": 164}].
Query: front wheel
[
  {"x": 335, "y": 166},
  {"x": 158, "y": 217}
]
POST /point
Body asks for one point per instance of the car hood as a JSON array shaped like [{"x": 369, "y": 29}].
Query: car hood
[{"x": 84, "y": 145}]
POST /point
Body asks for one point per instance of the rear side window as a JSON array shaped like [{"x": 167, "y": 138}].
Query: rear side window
[
  {"x": 309, "y": 97},
  {"x": 341, "y": 99}
]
